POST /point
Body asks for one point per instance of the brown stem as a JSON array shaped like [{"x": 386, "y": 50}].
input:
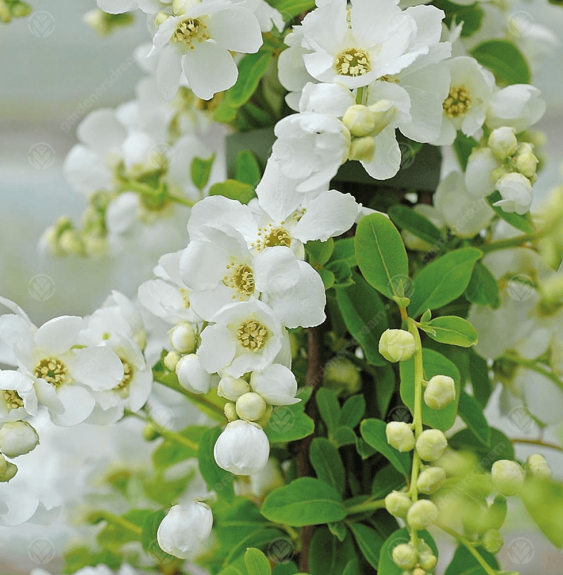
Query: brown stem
[{"x": 314, "y": 380}]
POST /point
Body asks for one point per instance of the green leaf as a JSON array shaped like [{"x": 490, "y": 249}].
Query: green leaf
[
  {"x": 471, "y": 412},
  {"x": 434, "y": 364},
  {"x": 289, "y": 422},
  {"x": 256, "y": 562},
  {"x": 342, "y": 273},
  {"x": 381, "y": 255},
  {"x": 328, "y": 278},
  {"x": 329, "y": 408},
  {"x": 443, "y": 280},
  {"x": 200, "y": 170},
  {"x": 408, "y": 219},
  {"x": 344, "y": 250},
  {"x": 483, "y": 287},
  {"x": 369, "y": 541},
  {"x": 250, "y": 71},
  {"x": 327, "y": 463},
  {"x": 285, "y": 569},
  {"x": 373, "y": 431},
  {"x": 471, "y": 15},
  {"x": 305, "y": 501},
  {"x": 233, "y": 190},
  {"x": 319, "y": 252},
  {"x": 385, "y": 481},
  {"x": 495, "y": 515},
  {"x": 259, "y": 538},
  {"x": 504, "y": 60},
  {"x": 352, "y": 568},
  {"x": 291, "y": 8},
  {"x": 544, "y": 501},
  {"x": 365, "y": 316},
  {"x": 338, "y": 530},
  {"x": 385, "y": 388},
  {"x": 501, "y": 447},
  {"x": 464, "y": 563},
  {"x": 114, "y": 535},
  {"x": 329, "y": 556},
  {"x": 238, "y": 567},
  {"x": 217, "y": 479},
  {"x": 522, "y": 223},
  {"x": 463, "y": 146},
  {"x": 247, "y": 168},
  {"x": 352, "y": 411},
  {"x": 344, "y": 436},
  {"x": 452, "y": 330},
  {"x": 480, "y": 379},
  {"x": 170, "y": 452},
  {"x": 386, "y": 565}
]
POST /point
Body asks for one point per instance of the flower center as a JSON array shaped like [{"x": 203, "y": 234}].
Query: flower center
[
  {"x": 185, "y": 297},
  {"x": 270, "y": 237},
  {"x": 191, "y": 31},
  {"x": 52, "y": 370},
  {"x": 12, "y": 398},
  {"x": 252, "y": 335},
  {"x": 353, "y": 62},
  {"x": 127, "y": 376},
  {"x": 241, "y": 279},
  {"x": 457, "y": 102}
]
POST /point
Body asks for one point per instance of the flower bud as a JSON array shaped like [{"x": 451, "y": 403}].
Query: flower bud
[
  {"x": 191, "y": 375},
  {"x": 430, "y": 480},
  {"x": 398, "y": 504},
  {"x": 342, "y": 376},
  {"x": 508, "y": 477},
  {"x": 431, "y": 444},
  {"x": 9, "y": 472},
  {"x": 251, "y": 406},
  {"x": 527, "y": 164},
  {"x": 439, "y": 392},
  {"x": 71, "y": 243},
  {"x": 17, "y": 438},
  {"x": 503, "y": 142},
  {"x": 405, "y": 556},
  {"x": 184, "y": 529},
  {"x": 179, "y": 7},
  {"x": 384, "y": 111},
  {"x": 161, "y": 17},
  {"x": 419, "y": 571},
  {"x": 422, "y": 514},
  {"x": 183, "y": 338},
  {"x": 427, "y": 561},
  {"x": 362, "y": 149},
  {"x": 492, "y": 541},
  {"x": 516, "y": 192},
  {"x": 150, "y": 433},
  {"x": 400, "y": 436},
  {"x": 232, "y": 387},
  {"x": 397, "y": 345},
  {"x": 536, "y": 466},
  {"x": 171, "y": 360},
  {"x": 359, "y": 120},
  {"x": 230, "y": 411}
]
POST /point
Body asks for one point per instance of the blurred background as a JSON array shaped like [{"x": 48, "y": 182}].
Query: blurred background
[{"x": 54, "y": 70}]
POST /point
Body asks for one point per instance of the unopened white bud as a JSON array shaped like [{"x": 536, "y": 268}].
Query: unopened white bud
[
  {"x": 422, "y": 514},
  {"x": 397, "y": 345},
  {"x": 179, "y": 7},
  {"x": 536, "y": 466},
  {"x": 527, "y": 164},
  {"x": 183, "y": 338},
  {"x": 359, "y": 120},
  {"x": 191, "y": 375},
  {"x": 398, "y": 504},
  {"x": 492, "y": 541},
  {"x": 508, "y": 477},
  {"x": 503, "y": 142},
  {"x": 405, "y": 556},
  {"x": 430, "y": 480},
  {"x": 96, "y": 20},
  {"x": 362, "y": 149},
  {"x": 171, "y": 360},
  {"x": 230, "y": 411},
  {"x": 161, "y": 17},
  {"x": 251, "y": 406},
  {"x": 439, "y": 392},
  {"x": 17, "y": 438},
  {"x": 431, "y": 444},
  {"x": 232, "y": 387},
  {"x": 400, "y": 436}
]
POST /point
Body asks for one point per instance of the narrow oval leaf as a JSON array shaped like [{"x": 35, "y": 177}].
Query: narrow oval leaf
[
  {"x": 291, "y": 8},
  {"x": 407, "y": 219},
  {"x": 217, "y": 479},
  {"x": 381, "y": 254},
  {"x": 443, "y": 280},
  {"x": 250, "y": 71},
  {"x": 256, "y": 562},
  {"x": 472, "y": 415},
  {"x": 464, "y": 562},
  {"x": 483, "y": 287},
  {"x": 290, "y": 422},
  {"x": 305, "y": 501},
  {"x": 452, "y": 330},
  {"x": 247, "y": 168},
  {"x": 352, "y": 411},
  {"x": 200, "y": 170},
  {"x": 327, "y": 463},
  {"x": 369, "y": 541},
  {"x": 504, "y": 60},
  {"x": 329, "y": 408},
  {"x": 233, "y": 190},
  {"x": 373, "y": 432}
]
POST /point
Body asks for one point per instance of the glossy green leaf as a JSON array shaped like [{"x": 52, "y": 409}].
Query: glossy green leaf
[
  {"x": 483, "y": 287},
  {"x": 256, "y": 562},
  {"x": 327, "y": 463},
  {"x": 522, "y": 223},
  {"x": 289, "y": 422},
  {"x": 217, "y": 479},
  {"x": 384, "y": 388},
  {"x": 233, "y": 190},
  {"x": 170, "y": 452},
  {"x": 443, "y": 280},
  {"x": 329, "y": 408},
  {"x": 247, "y": 168},
  {"x": 452, "y": 330},
  {"x": 369, "y": 541},
  {"x": 305, "y": 501},
  {"x": 344, "y": 436},
  {"x": 318, "y": 253},
  {"x": 352, "y": 411},
  {"x": 373, "y": 432},
  {"x": 250, "y": 71},
  {"x": 200, "y": 170},
  {"x": 544, "y": 502},
  {"x": 408, "y": 219},
  {"x": 472, "y": 414},
  {"x": 385, "y": 481},
  {"x": 342, "y": 273},
  {"x": 464, "y": 562},
  {"x": 480, "y": 378},
  {"x": 344, "y": 250},
  {"x": 504, "y": 60},
  {"x": 328, "y": 555},
  {"x": 291, "y": 8}
]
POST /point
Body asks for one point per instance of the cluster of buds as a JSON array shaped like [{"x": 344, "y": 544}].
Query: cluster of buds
[
  {"x": 16, "y": 438},
  {"x": 13, "y": 9},
  {"x": 430, "y": 444},
  {"x": 418, "y": 560}
]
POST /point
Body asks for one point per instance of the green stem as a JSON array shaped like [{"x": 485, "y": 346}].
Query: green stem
[
  {"x": 537, "y": 442},
  {"x": 468, "y": 545},
  {"x": 512, "y": 242},
  {"x": 116, "y": 520},
  {"x": 167, "y": 433},
  {"x": 151, "y": 192},
  {"x": 360, "y": 95},
  {"x": 366, "y": 507},
  {"x": 181, "y": 201},
  {"x": 534, "y": 366}
]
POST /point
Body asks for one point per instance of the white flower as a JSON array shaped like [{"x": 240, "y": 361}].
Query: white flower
[
  {"x": 17, "y": 438},
  {"x": 247, "y": 336},
  {"x": 276, "y": 384},
  {"x": 184, "y": 529},
  {"x": 518, "y": 106},
  {"x": 191, "y": 374},
  {"x": 516, "y": 192},
  {"x": 480, "y": 173},
  {"x": 198, "y": 43},
  {"x": 242, "y": 449},
  {"x": 17, "y": 396}
]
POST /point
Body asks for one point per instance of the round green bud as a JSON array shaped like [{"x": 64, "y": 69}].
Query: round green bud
[
  {"x": 405, "y": 556},
  {"x": 431, "y": 444},
  {"x": 17, "y": 438},
  {"x": 342, "y": 376},
  {"x": 421, "y": 514},
  {"x": 9, "y": 472},
  {"x": 150, "y": 433},
  {"x": 183, "y": 338},
  {"x": 492, "y": 541},
  {"x": 230, "y": 412},
  {"x": 359, "y": 120},
  {"x": 400, "y": 436},
  {"x": 362, "y": 149},
  {"x": 503, "y": 142},
  {"x": 419, "y": 571},
  {"x": 527, "y": 164},
  {"x": 430, "y": 480},
  {"x": 171, "y": 360},
  {"x": 397, "y": 345},
  {"x": 232, "y": 388},
  {"x": 439, "y": 392},
  {"x": 427, "y": 561},
  {"x": 508, "y": 477},
  {"x": 251, "y": 406},
  {"x": 536, "y": 466},
  {"x": 398, "y": 504}
]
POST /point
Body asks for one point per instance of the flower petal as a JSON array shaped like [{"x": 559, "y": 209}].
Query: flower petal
[
  {"x": 98, "y": 367},
  {"x": 275, "y": 269},
  {"x": 217, "y": 349},
  {"x": 78, "y": 405},
  {"x": 168, "y": 73},
  {"x": 237, "y": 29},
  {"x": 101, "y": 132},
  {"x": 59, "y": 334}
]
